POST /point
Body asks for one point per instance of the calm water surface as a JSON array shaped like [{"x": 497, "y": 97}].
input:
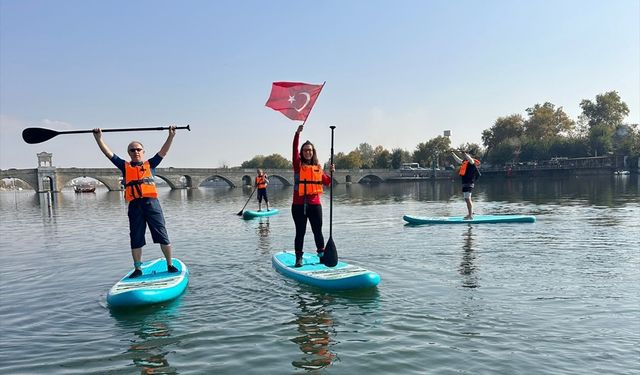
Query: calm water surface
[{"x": 559, "y": 296}]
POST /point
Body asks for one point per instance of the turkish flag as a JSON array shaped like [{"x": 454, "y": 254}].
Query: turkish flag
[{"x": 293, "y": 99}]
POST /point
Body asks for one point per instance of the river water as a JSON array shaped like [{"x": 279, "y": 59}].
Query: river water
[{"x": 559, "y": 296}]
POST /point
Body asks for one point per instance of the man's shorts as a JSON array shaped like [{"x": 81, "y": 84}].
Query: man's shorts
[
  {"x": 262, "y": 193},
  {"x": 466, "y": 190},
  {"x": 143, "y": 212}
]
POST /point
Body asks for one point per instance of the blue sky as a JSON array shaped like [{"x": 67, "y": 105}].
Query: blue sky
[{"x": 398, "y": 72}]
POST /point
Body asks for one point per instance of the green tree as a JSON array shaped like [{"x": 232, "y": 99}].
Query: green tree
[
  {"x": 381, "y": 158},
  {"x": 603, "y": 117},
  {"x": 508, "y": 128},
  {"x": 366, "y": 153},
  {"x": 545, "y": 121},
  {"x": 276, "y": 161},
  {"x": 432, "y": 152},
  {"x": 502, "y": 153},
  {"x": 399, "y": 156},
  {"x": 256, "y": 162},
  {"x": 608, "y": 110},
  {"x": 627, "y": 140},
  {"x": 349, "y": 161},
  {"x": 534, "y": 149}
]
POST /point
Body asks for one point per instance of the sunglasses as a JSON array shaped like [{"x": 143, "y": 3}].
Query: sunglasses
[{"x": 135, "y": 149}]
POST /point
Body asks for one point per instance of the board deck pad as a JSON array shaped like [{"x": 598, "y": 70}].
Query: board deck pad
[
  {"x": 341, "y": 277},
  {"x": 155, "y": 285},
  {"x": 477, "y": 219}
]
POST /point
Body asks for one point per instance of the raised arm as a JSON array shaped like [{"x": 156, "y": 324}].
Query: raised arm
[
  {"x": 469, "y": 158},
  {"x": 167, "y": 144},
  {"x": 456, "y": 158},
  {"x": 97, "y": 134},
  {"x": 296, "y": 153}
]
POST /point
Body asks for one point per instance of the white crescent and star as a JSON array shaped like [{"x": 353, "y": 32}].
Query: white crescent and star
[{"x": 292, "y": 98}]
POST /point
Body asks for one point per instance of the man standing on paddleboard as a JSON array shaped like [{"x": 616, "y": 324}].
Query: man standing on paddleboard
[
  {"x": 262, "y": 180},
  {"x": 142, "y": 195},
  {"x": 468, "y": 173}
]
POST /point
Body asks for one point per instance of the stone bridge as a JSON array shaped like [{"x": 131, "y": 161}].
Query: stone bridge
[{"x": 49, "y": 178}]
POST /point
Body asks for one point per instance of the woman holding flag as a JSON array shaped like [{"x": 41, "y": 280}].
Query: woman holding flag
[{"x": 309, "y": 179}]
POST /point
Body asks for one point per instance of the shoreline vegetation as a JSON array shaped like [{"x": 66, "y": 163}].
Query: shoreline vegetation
[{"x": 546, "y": 133}]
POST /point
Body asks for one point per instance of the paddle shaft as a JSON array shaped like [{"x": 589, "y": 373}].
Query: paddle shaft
[
  {"x": 245, "y": 205},
  {"x": 331, "y": 188},
  {"x": 122, "y": 130}
]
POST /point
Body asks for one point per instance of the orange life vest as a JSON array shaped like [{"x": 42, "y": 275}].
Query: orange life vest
[
  {"x": 310, "y": 180},
  {"x": 138, "y": 182},
  {"x": 261, "y": 182},
  {"x": 463, "y": 167}
]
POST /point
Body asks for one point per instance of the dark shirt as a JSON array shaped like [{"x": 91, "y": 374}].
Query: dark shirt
[
  {"x": 153, "y": 163},
  {"x": 471, "y": 174}
]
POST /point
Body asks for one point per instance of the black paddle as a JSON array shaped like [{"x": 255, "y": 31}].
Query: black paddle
[
  {"x": 330, "y": 258},
  {"x": 245, "y": 205},
  {"x": 39, "y": 135}
]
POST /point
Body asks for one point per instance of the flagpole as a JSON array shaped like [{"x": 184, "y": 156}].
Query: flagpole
[{"x": 319, "y": 92}]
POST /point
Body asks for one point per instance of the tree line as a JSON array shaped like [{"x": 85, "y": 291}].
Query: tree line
[{"x": 544, "y": 133}]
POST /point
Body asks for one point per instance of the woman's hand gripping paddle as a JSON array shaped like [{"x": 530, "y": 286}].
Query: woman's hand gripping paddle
[
  {"x": 39, "y": 135},
  {"x": 330, "y": 258}
]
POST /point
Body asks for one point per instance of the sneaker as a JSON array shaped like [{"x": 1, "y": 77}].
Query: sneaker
[
  {"x": 298, "y": 261},
  {"x": 135, "y": 274},
  {"x": 172, "y": 269}
]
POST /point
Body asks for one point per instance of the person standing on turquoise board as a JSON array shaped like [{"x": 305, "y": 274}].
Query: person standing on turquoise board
[
  {"x": 468, "y": 173},
  {"x": 141, "y": 193},
  {"x": 262, "y": 180},
  {"x": 309, "y": 180}
]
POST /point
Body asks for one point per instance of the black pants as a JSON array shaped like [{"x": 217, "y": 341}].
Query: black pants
[
  {"x": 314, "y": 215},
  {"x": 262, "y": 193}
]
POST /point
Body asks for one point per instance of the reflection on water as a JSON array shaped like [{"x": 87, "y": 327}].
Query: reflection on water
[
  {"x": 263, "y": 234},
  {"x": 152, "y": 328},
  {"x": 467, "y": 266},
  {"x": 314, "y": 324}
]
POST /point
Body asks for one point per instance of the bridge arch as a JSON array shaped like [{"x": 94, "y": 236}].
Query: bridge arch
[
  {"x": 370, "y": 179},
  {"x": 170, "y": 182},
  {"x": 31, "y": 184},
  {"x": 63, "y": 180},
  {"x": 219, "y": 177},
  {"x": 281, "y": 179}
]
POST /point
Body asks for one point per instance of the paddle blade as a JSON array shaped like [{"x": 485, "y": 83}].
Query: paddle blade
[
  {"x": 240, "y": 213},
  {"x": 38, "y": 135},
  {"x": 330, "y": 258}
]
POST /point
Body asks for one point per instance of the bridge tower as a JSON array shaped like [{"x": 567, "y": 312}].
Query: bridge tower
[{"x": 47, "y": 180}]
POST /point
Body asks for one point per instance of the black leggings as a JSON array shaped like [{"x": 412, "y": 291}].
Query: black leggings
[{"x": 314, "y": 214}]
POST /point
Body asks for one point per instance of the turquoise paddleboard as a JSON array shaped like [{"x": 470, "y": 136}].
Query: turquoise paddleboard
[
  {"x": 477, "y": 219},
  {"x": 341, "y": 277},
  {"x": 249, "y": 214},
  {"x": 155, "y": 285}
]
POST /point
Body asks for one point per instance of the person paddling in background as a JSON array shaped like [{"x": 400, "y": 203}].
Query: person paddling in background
[
  {"x": 142, "y": 195},
  {"x": 468, "y": 173},
  {"x": 262, "y": 180},
  {"x": 309, "y": 179}
]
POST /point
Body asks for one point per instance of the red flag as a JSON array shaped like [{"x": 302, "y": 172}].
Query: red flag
[{"x": 293, "y": 99}]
